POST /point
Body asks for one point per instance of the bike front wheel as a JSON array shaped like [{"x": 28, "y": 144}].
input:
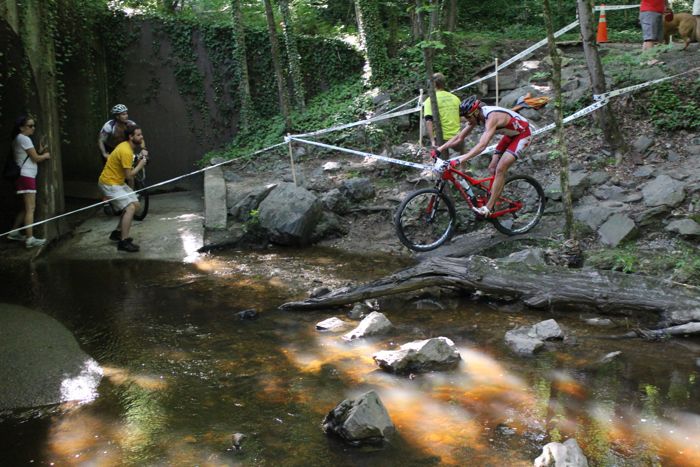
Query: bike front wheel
[
  {"x": 524, "y": 197},
  {"x": 141, "y": 213},
  {"x": 425, "y": 219}
]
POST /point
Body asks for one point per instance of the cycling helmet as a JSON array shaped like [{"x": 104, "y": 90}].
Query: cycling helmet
[
  {"x": 119, "y": 108},
  {"x": 469, "y": 106}
]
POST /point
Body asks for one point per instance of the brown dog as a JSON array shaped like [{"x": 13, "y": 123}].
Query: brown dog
[{"x": 683, "y": 24}]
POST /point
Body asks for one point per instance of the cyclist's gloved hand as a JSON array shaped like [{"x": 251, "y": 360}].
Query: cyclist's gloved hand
[
  {"x": 435, "y": 153},
  {"x": 454, "y": 163}
]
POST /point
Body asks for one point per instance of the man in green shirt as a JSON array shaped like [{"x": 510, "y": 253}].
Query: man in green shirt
[{"x": 448, "y": 106}]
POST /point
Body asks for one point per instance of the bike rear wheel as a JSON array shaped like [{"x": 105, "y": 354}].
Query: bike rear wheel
[
  {"x": 425, "y": 219},
  {"x": 140, "y": 182},
  {"x": 527, "y": 191}
]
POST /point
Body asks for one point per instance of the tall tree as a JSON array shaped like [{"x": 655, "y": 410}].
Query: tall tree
[
  {"x": 427, "y": 45},
  {"x": 451, "y": 15},
  {"x": 559, "y": 121},
  {"x": 605, "y": 118},
  {"x": 290, "y": 41},
  {"x": 241, "y": 70},
  {"x": 373, "y": 39},
  {"x": 277, "y": 65}
]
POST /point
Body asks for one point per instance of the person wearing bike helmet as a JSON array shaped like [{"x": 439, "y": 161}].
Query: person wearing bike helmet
[
  {"x": 496, "y": 120},
  {"x": 113, "y": 131}
]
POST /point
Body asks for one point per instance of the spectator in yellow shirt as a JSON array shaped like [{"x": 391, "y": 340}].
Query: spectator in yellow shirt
[{"x": 448, "y": 106}]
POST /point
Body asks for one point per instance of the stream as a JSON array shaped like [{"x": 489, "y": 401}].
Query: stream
[{"x": 182, "y": 373}]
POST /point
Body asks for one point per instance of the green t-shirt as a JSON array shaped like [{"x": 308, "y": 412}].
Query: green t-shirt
[{"x": 448, "y": 104}]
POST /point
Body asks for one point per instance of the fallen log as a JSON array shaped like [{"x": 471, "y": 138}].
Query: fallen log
[{"x": 609, "y": 292}]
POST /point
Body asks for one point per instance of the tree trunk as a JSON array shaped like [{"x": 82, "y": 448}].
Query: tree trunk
[
  {"x": 605, "y": 118},
  {"x": 538, "y": 287},
  {"x": 246, "y": 110},
  {"x": 451, "y": 15},
  {"x": 428, "y": 61},
  {"x": 32, "y": 22},
  {"x": 373, "y": 39},
  {"x": 277, "y": 65},
  {"x": 290, "y": 41},
  {"x": 559, "y": 117}
]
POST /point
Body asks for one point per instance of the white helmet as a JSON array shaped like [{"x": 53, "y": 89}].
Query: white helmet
[{"x": 119, "y": 108}]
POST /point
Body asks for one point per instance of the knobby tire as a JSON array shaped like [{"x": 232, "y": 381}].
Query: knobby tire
[{"x": 425, "y": 220}]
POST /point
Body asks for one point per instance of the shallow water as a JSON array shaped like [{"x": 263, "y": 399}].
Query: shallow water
[{"x": 183, "y": 373}]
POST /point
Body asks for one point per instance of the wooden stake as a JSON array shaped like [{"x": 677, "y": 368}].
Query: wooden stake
[
  {"x": 496, "y": 80},
  {"x": 420, "y": 121},
  {"x": 291, "y": 160}
]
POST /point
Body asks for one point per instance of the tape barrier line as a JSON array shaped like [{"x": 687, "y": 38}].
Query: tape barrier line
[
  {"x": 414, "y": 165},
  {"x": 635, "y": 87},
  {"x": 615, "y": 7},
  {"x": 522, "y": 54},
  {"x": 165, "y": 182},
  {"x": 361, "y": 122}
]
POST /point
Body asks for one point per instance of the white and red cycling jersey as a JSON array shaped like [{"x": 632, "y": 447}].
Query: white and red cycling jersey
[{"x": 516, "y": 133}]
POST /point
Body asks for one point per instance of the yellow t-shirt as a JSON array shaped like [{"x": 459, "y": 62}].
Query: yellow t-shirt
[
  {"x": 121, "y": 158},
  {"x": 448, "y": 104}
]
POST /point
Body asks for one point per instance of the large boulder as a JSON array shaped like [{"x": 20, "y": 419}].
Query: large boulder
[
  {"x": 684, "y": 227},
  {"x": 364, "y": 420},
  {"x": 663, "y": 190},
  {"x": 241, "y": 198},
  {"x": 214, "y": 199},
  {"x": 617, "y": 228},
  {"x": 593, "y": 215},
  {"x": 290, "y": 214},
  {"x": 41, "y": 363},
  {"x": 373, "y": 324},
  {"x": 357, "y": 189},
  {"x": 567, "y": 454},
  {"x": 437, "y": 353}
]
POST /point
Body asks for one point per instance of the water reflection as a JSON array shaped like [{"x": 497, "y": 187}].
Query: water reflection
[{"x": 183, "y": 373}]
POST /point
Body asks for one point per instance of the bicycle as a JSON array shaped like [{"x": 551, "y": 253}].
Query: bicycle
[
  {"x": 139, "y": 183},
  {"x": 427, "y": 218}
]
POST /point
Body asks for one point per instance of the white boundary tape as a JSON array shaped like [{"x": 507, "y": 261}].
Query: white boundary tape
[
  {"x": 635, "y": 87},
  {"x": 615, "y": 7},
  {"x": 361, "y": 122},
  {"x": 165, "y": 182}
]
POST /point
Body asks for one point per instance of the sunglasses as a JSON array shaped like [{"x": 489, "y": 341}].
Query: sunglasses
[{"x": 30, "y": 126}]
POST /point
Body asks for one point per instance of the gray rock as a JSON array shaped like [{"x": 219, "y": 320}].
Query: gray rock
[
  {"x": 693, "y": 150},
  {"x": 509, "y": 99},
  {"x": 617, "y": 228},
  {"x": 358, "y": 189},
  {"x": 290, "y": 214},
  {"x": 644, "y": 171},
  {"x": 633, "y": 198},
  {"x": 374, "y": 324},
  {"x": 651, "y": 216},
  {"x": 437, "y": 353},
  {"x": 530, "y": 256},
  {"x": 593, "y": 216},
  {"x": 663, "y": 190},
  {"x": 364, "y": 420},
  {"x": 330, "y": 226},
  {"x": 546, "y": 330},
  {"x": 248, "y": 314},
  {"x": 359, "y": 311},
  {"x": 331, "y": 166},
  {"x": 319, "y": 292},
  {"x": 42, "y": 363},
  {"x": 335, "y": 201},
  {"x": 598, "y": 178},
  {"x": 610, "y": 192},
  {"x": 568, "y": 454},
  {"x": 214, "y": 199},
  {"x": 642, "y": 144},
  {"x": 331, "y": 324},
  {"x": 607, "y": 358},
  {"x": 673, "y": 156},
  {"x": 578, "y": 183},
  {"x": 697, "y": 362},
  {"x": 684, "y": 227},
  {"x": 598, "y": 322},
  {"x": 242, "y": 198},
  {"x": 522, "y": 344},
  {"x": 237, "y": 441}
]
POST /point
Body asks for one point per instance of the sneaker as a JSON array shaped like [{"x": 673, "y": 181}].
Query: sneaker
[
  {"x": 127, "y": 245},
  {"x": 115, "y": 236},
  {"x": 17, "y": 236},
  {"x": 483, "y": 210},
  {"x": 31, "y": 242}
]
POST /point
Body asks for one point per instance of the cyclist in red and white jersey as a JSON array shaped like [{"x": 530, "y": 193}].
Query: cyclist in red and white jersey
[
  {"x": 113, "y": 131},
  {"x": 496, "y": 120}
]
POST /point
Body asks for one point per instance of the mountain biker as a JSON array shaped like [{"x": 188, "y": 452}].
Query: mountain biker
[
  {"x": 516, "y": 137},
  {"x": 113, "y": 131},
  {"x": 112, "y": 183}
]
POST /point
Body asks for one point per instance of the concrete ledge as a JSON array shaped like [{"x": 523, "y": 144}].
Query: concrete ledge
[{"x": 214, "y": 199}]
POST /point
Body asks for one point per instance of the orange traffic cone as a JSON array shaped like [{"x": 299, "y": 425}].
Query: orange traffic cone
[{"x": 602, "y": 35}]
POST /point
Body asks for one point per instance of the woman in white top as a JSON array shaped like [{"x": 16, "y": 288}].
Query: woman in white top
[{"x": 27, "y": 158}]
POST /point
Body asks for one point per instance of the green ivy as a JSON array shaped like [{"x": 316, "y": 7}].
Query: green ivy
[{"x": 674, "y": 106}]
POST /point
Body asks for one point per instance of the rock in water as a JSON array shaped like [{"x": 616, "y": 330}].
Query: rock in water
[{"x": 360, "y": 421}]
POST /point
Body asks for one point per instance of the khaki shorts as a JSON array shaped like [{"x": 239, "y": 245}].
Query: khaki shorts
[
  {"x": 652, "y": 26},
  {"x": 124, "y": 194}
]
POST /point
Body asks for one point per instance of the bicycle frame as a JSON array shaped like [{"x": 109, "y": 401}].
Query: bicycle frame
[{"x": 450, "y": 174}]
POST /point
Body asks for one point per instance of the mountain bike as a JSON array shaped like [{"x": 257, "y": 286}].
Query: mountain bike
[
  {"x": 139, "y": 183},
  {"x": 427, "y": 218}
]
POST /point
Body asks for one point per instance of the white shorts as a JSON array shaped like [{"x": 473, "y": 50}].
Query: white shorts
[{"x": 124, "y": 193}]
